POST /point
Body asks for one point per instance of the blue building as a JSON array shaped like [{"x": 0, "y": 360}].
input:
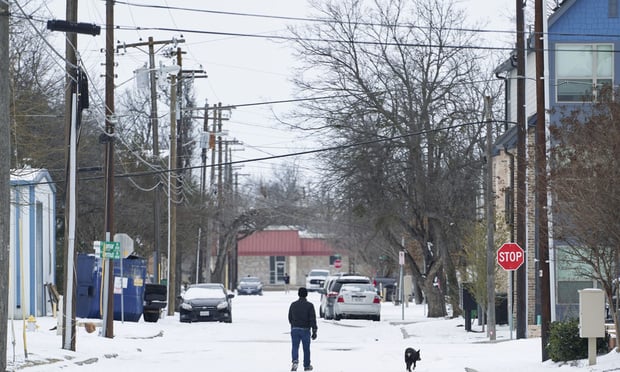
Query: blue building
[{"x": 581, "y": 44}]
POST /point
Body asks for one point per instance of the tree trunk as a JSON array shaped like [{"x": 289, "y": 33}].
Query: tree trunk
[{"x": 435, "y": 300}]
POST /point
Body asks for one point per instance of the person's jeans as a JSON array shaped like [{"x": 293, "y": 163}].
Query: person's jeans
[{"x": 301, "y": 335}]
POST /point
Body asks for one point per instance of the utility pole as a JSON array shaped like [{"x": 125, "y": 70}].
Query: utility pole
[
  {"x": 490, "y": 203},
  {"x": 203, "y": 180},
  {"x": 109, "y": 168},
  {"x": 542, "y": 222},
  {"x": 521, "y": 168},
  {"x": 69, "y": 303},
  {"x": 212, "y": 228},
  {"x": 171, "y": 202},
  {"x": 155, "y": 131},
  {"x": 5, "y": 180},
  {"x": 220, "y": 191},
  {"x": 76, "y": 99}
]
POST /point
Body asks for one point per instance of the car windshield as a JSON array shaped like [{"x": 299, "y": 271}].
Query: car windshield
[
  {"x": 197, "y": 292},
  {"x": 250, "y": 280},
  {"x": 358, "y": 287},
  {"x": 319, "y": 273}
]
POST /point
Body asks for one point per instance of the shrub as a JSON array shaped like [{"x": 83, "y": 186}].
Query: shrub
[{"x": 565, "y": 343}]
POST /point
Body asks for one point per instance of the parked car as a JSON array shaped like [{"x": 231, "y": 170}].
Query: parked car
[
  {"x": 250, "y": 285},
  {"x": 387, "y": 288},
  {"x": 316, "y": 279},
  {"x": 357, "y": 300},
  {"x": 210, "y": 303},
  {"x": 329, "y": 292}
]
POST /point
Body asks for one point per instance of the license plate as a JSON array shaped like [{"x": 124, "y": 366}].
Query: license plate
[
  {"x": 204, "y": 313},
  {"x": 357, "y": 299}
]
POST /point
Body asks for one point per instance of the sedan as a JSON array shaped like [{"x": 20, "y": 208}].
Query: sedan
[
  {"x": 250, "y": 285},
  {"x": 206, "y": 304},
  {"x": 357, "y": 301},
  {"x": 329, "y": 293}
]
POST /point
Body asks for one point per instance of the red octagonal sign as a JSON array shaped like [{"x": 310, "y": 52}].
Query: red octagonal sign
[{"x": 510, "y": 256}]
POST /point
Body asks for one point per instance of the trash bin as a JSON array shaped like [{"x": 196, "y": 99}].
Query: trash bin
[
  {"x": 155, "y": 298},
  {"x": 501, "y": 308},
  {"x": 87, "y": 287},
  {"x": 130, "y": 286}
]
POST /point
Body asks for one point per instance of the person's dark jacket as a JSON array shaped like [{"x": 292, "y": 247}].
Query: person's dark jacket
[{"x": 301, "y": 314}]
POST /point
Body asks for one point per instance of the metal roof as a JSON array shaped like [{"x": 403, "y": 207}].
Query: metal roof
[{"x": 282, "y": 243}]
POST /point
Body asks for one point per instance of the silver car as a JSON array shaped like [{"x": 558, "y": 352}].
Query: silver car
[{"x": 357, "y": 300}]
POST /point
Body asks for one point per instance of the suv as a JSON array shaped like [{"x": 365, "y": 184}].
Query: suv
[
  {"x": 315, "y": 279},
  {"x": 330, "y": 291}
]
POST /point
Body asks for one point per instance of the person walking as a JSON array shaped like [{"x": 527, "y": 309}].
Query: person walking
[
  {"x": 302, "y": 317},
  {"x": 287, "y": 280}
]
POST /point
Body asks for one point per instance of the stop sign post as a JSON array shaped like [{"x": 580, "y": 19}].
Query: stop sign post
[{"x": 510, "y": 256}]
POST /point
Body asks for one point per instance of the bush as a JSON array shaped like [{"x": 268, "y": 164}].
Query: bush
[{"x": 565, "y": 343}]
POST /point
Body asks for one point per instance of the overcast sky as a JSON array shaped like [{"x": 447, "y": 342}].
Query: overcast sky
[{"x": 240, "y": 70}]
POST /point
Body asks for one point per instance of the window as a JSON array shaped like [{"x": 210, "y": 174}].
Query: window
[{"x": 581, "y": 70}]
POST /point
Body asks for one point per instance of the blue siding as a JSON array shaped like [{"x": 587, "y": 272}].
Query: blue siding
[
  {"x": 584, "y": 21},
  {"x": 589, "y": 18}
]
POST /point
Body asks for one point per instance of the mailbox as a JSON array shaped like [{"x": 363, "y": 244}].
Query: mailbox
[{"x": 591, "y": 313}]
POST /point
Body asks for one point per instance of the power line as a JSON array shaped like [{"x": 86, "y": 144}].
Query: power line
[
  {"x": 294, "y": 154},
  {"x": 327, "y": 20}
]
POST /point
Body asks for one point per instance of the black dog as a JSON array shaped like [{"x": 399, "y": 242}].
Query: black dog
[{"x": 411, "y": 356}]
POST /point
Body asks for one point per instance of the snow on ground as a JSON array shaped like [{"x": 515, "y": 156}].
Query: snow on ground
[{"x": 259, "y": 340}]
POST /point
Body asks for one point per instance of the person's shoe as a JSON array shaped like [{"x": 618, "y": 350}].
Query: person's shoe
[
  {"x": 294, "y": 366},
  {"x": 309, "y": 368}
]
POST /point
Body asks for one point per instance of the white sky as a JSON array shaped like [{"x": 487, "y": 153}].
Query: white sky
[
  {"x": 241, "y": 70},
  {"x": 258, "y": 340}
]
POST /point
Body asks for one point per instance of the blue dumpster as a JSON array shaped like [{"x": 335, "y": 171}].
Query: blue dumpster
[
  {"x": 132, "y": 301},
  {"x": 87, "y": 287},
  {"x": 130, "y": 284}
]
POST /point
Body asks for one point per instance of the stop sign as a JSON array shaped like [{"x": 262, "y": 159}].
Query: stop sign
[
  {"x": 337, "y": 263},
  {"x": 510, "y": 256}
]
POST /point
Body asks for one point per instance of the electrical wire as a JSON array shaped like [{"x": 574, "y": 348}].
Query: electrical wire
[{"x": 293, "y": 154}]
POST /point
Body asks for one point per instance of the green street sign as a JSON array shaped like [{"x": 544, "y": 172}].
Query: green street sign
[{"x": 110, "y": 250}]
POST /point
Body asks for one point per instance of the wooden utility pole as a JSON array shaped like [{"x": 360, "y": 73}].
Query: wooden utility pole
[
  {"x": 212, "y": 227},
  {"x": 69, "y": 303},
  {"x": 542, "y": 222},
  {"x": 203, "y": 181},
  {"x": 155, "y": 132},
  {"x": 521, "y": 168},
  {"x": 4, "y": 180},
  {"x": 490, "y": 203},
  {"x": 109, "y": 166},
  {"x": 172, "y": 257}
]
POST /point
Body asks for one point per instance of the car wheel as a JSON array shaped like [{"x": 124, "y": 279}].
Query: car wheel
[
  {"x": 337, "y": 317},
  {"x": 377, "y": 318},
  {"x": 321, "y": 313}
]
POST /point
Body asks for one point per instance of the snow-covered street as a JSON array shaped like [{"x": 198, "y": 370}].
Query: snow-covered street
[{"x": 258, "y": 340}]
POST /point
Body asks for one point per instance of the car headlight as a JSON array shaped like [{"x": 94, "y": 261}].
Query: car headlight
[
  {"x": 222, "y": 305},
  {"x": 186, "y": 306}
]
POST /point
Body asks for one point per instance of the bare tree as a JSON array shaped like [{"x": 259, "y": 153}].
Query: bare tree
[
  {"x": 584, "y": 181},
  {"x": 406, "y": 154}
]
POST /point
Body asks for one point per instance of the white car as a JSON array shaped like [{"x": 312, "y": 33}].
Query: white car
[
  {"x": 315, "y": 279},
  {"x": 357, "y": 300}
]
